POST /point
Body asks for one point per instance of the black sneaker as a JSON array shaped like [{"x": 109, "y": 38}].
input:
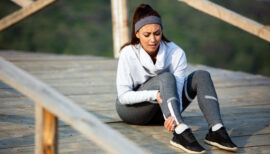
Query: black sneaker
[
  {"x": 220, "y": 139},
  {"x": 187, "y": 142}
]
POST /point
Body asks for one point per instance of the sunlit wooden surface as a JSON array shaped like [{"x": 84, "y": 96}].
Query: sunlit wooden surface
[{"x": 90, "y": 82}]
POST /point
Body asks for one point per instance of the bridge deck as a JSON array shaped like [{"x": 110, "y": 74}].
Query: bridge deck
[{"x": 90, "y": 82}]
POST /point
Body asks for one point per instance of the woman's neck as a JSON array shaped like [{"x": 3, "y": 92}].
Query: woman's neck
[{"x": 153, "y": 55}]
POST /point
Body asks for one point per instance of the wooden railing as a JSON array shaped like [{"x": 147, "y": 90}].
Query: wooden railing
[
  {"x": 51, "y": 105},
  {"x": 120, "y": 25},
  {"x": 246, "y": 24},
  {"x": 28, "y": 7}
]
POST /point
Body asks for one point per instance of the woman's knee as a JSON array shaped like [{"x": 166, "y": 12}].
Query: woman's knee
[
  {"x": 202, "y": 74},
  {"x": 167, "y": 76}
]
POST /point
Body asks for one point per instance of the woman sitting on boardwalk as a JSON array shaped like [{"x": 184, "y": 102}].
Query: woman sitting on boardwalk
[{"x": 151, "y": 82}]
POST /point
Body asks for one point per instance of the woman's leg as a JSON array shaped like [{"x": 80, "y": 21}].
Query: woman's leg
[
  {"x": 200, "y": 84},
  {"x": 142, "y": 113},
  {"x": 170, "y": 105}
]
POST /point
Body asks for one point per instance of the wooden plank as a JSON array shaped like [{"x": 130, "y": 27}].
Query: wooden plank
[
  {"x": 23, "y": 13},
  {"x": 228, "y": 100},
  {"x": 245, "y": 110},
  {"x": 21, "y": 56},
  {"x": 66, "y": 110},
  {"x": 38, "y": 129},
  {"x": 236, "y": 96},
  {"x": 159, "y": 141},
  {"x": 257, "y": 149},
  {"x": 119, "y": 24},
  {"x": 22, "y": 3},
  {"x": 159, "y": 133},
  {"x": 231, "y": 17},
  {"x": 85, "y": 69}
]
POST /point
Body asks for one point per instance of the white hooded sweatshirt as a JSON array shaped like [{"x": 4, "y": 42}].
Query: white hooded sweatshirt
[{"x": 135, "y": 66}]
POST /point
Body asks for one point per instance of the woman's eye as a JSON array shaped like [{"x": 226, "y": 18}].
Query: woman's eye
[
  {"x": 146, "y": 35},
  {"x": 157, "y": 34}
]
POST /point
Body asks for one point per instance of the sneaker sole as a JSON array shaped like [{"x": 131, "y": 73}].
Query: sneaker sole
[
  {"x": 220, "y": 146},
  {"x": 184, "y": 149}
]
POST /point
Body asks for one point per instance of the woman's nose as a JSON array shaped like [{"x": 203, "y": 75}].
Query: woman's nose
[{"x": 153, "y": 39}]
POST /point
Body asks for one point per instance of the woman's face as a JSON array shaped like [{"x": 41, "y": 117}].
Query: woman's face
[{"x": 150, "y": 36}]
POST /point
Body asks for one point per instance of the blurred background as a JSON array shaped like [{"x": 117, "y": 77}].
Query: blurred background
[{"x": 84, "y": 27}]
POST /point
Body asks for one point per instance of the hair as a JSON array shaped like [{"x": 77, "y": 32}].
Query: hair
[{"x": 142, "y": 11}]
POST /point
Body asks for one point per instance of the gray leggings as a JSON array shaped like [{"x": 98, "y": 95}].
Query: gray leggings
[{"x": 198, "y": 83}]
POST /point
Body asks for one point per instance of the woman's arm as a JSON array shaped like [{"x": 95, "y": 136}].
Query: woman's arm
[
  {"x": 124, "y": 83},
  {"x": 132, "y": 97},
  {"x": 179, "y": 74}
]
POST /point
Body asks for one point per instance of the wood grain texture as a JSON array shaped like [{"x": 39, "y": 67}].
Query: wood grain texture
[
  {"x": 231, "y": 17},
  {"x": 50, "y": 133},
  {"x": 244, "y": 100},
  {"x": 65, "y": 109},
  {"x": 119, "y": 24}
]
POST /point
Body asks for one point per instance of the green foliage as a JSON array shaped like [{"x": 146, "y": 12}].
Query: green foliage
[{"x": 84, "y": 27}]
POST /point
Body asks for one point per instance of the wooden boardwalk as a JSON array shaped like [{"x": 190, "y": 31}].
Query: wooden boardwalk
[{"x": 90, "y": 82}]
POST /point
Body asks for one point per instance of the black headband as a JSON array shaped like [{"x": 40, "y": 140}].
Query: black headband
[{"x": 147, "y": 20}]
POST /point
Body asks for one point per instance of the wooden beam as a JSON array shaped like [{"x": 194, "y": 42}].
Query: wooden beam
[
  {"x": 38, "y": 129},
  {"x": 50, "y": 126},
  {"x": 46, "y": 131},
  {"x": 231, "y": 17},
  {"x": 119, "y": 24},
  {"x": 66, "y": 110},
  {"x": 22, "y": 3},
  {"x": 23, "y": 13}
]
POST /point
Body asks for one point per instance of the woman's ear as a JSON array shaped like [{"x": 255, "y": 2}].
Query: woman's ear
[{"x": 137, "y": 35}]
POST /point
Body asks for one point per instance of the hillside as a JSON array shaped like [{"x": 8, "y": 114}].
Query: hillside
[{"x": 72, "y": 27}]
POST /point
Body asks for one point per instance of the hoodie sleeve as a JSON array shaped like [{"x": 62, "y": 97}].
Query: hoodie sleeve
[
  {"x": 179, "y": 73},
  {"x": 124, "y": 84}
]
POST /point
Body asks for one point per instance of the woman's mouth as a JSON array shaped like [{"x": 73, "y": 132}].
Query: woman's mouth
[{"x": 152, "y": 45}]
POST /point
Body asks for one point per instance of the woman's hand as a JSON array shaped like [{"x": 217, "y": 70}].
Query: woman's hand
[
  {"x": 159, "y": 100},
  {"x": 169, "y": 124}
]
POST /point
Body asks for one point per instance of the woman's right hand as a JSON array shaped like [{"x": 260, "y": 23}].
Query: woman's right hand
[
  {"x": 159, "y": 100},
  {"x": 169, "y": 124}
]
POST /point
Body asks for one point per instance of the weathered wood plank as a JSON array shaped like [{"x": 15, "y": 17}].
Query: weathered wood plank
[
  {"x": 39, "y": 124},
  {"x": 244, "y": 101},
  {"x": 142, "y": 137},
  {"x": 21, "y": 56},
  {"x": 229, "y": 97},
  {"x": 65, "y": 109}
]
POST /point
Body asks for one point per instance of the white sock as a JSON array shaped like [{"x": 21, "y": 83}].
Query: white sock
[
  {"x": 181, "y": 128},
  {"x": 216, "y": 127}
]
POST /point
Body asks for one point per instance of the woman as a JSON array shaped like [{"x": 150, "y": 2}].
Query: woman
[{"x": 151, "y": 76}]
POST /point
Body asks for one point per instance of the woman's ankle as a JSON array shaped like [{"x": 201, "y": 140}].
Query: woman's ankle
[{"x": 180, "y": 128}]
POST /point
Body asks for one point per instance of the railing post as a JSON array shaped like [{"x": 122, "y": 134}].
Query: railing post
[
  {"x": 120, "y": 24},
  {"x": 46, "y": 131}
]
